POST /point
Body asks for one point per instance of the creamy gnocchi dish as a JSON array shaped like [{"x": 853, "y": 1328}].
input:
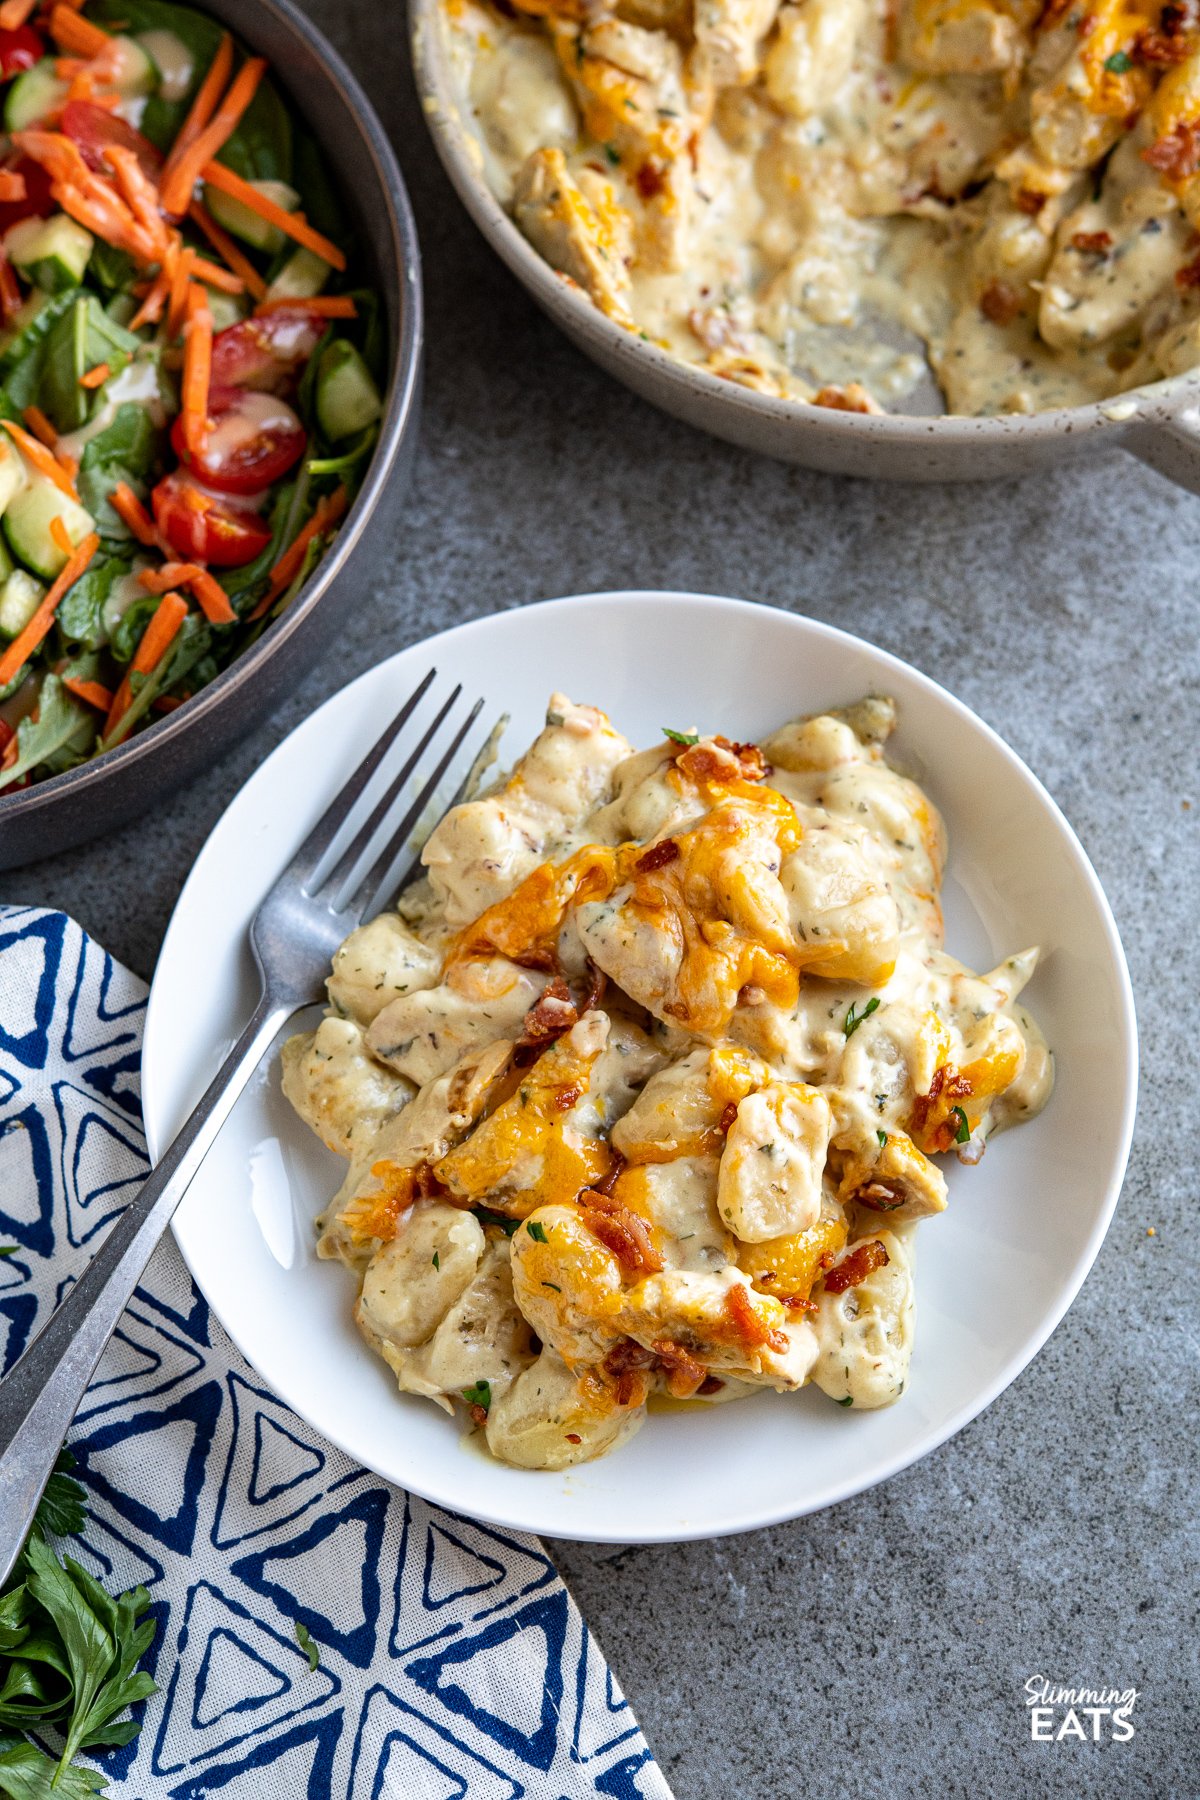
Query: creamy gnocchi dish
[
  {"x": 643, "y": 1087},
  {"x": 829, "y": 200}
]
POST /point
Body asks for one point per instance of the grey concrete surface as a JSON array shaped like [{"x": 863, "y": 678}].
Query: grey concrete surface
[{"x": 883, "y": 1646}]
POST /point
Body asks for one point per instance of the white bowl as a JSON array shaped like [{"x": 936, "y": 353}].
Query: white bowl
[{"x": 994, "y": 1274}]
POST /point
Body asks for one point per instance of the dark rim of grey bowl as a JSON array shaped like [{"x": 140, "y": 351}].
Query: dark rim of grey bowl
[{"x": 403, "y": 298}]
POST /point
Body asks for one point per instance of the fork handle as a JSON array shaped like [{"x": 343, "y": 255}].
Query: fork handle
[{"x": 44, "y": 1389}]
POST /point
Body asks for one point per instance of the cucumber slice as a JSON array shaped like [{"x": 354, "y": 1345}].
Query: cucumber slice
[
  {"x": 6, "y": 567},
  {"x": 52, "y": 253},
  {"x": 302, "y": 276},
  {"x": 32, "y": 95},
  {"x": 226, "y": 309},
  {"x": 20, "y": 597},
  {"x": 135, "y": 73},
  {"x": 27, "y": 525},
  {"x": 12, "y": 471},
  {"x": 244, "y": 222},
  {"x": 347, "y": 398}
]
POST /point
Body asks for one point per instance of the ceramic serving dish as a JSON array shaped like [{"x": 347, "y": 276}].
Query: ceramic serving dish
[
  {"x": 98, "y": 796},
  {"x": 1159, "y": 424}
]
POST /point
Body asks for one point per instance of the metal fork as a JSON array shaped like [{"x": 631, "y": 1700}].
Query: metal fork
[{"x": 296, "y": 930}]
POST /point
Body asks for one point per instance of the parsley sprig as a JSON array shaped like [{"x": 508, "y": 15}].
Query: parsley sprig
[
  {"x": 854, "y": 1018},
  {"x": 69, "y": 1655}
]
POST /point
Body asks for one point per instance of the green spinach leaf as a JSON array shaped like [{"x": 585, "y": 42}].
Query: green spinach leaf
[
  {"x": 61, "y": 735},
  {"x": 127, "y": 451},
  {"x": 80, "y": 616}
]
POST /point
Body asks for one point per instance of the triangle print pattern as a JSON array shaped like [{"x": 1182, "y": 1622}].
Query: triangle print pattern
[{"x": 452, "y": 1663}]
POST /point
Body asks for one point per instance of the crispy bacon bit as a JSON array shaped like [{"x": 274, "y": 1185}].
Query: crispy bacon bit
[
  {"x": 573, "y": 1437},
  {"x": 650, "y": 180},
  {"x": 597, "y": 983},
  {"x": 684, "y": 1374},
  {"x": 853, "y": 398},
  {"x": 746, "y": 1322},
  {"x": 620, "y": 1231},
  {"x": 880, "y": 1196},
  {"x": 798, "y": 1303},
  {"x": 629, "y": 1363},
  {"x": 1189, "y": 275},
  {"x": 1029, "y": 201},
  {"x": 1000, "y": 302},
  {"x": 717, "y": 329},
  {"x": 1093, "y": 243},
  {"x": 1157, "y": 50},
  {"x": 566, "y": 1096},
  {"x": 862, "y": 1261},
  {"x": 712, "y": 1384},
  {"x": 478, "y": 1415},
  {"x": 721, "y": 761},
  {"x": 428, "y": 1185},
  {"x": 1052, "y": 12},
  {"x": 658, "y": 856},
  {"x": 728, "y": 1116},
  {"x": 1178, "y": 154},
  {"x": 550, "y": 1016}
]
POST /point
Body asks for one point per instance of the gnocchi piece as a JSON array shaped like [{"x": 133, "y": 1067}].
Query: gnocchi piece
[
  {"x": 482, "y": 1337},
  {"x": 377, "y": 964},
  {"x": 422, "y": 1035},
  {"x": 864, "y": 1332},
  {"x": 412, "y": 1282},
  {"x": 774, "y": 1161},
  {"x": 338, "y": 1087},
  {"x": 552, "y": 1417}
]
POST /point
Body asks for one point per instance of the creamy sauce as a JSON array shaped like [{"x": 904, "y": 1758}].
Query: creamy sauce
[
  {"x": 138, "y": 384},
  {"x": 835, "y": 200},
  {"x": 711, "y": 1168}
]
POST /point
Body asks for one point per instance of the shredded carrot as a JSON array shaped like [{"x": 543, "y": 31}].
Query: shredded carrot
[
  {"x": 96, "y": 376},
  {"x": 293, "y": 225},
  {"x": 40, "y": 426},
  {"x": 93, "y": 692},
  {"x": 155, "y": 641},
  {"x": 213, "y": 600},
  {"x": 87, "y": 196},
  {"x": 12, "y": 185},
  {"x": 227, "y": 250},
  {"x": 14, "y": 13},
  {"x": 43, "y": 461},
  {"x": 216, "y": 276},
  {"x": 153, "y": 301},
  {"x": 177, "y": 304},
  {"x": 197, "y": 367},
  {"x": 138, "y": 192},
  {"x": 320, "y": 306},
  {"x": 168, "y": 703},
  {"x": 10, "y": 289},
  {"x": 27, "y": 641},
  {"x": 328, "y": 512},
  {"x": 60, "y": 535},
  {"x": 175, "y": 190},
  {"x": 204, "y": 104},
  {"x": 77, "y": 35},
  {"x": 131, "y": 512}
]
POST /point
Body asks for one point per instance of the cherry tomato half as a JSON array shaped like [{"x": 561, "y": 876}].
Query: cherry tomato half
[
  {"x": 91, "y": 128},
  {"x": 203, "y": 527},
  {"x": 265, "y": 352},
  {"x": 20, "y": 48},
  {"x": 255, "y": 438},
  {"x": 37, "y": 203}
]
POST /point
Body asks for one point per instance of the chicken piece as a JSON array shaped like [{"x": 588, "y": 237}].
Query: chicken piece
[
  {"x": 892, "y": 1178},
  {"x": 482, "y": 850},
  {"x": 617, "y": 1077},
  {"x": 413, "y": 1281},
  {"x": 376, "y": 964},
  {"x": 422, "y": 1035},
  {"x": 680, "y": 1111},
  {"x": 337, "y": 1086},
  {"x": 720, "y": 1321},
  {"x": 552, "y": 1417},
  {"x": 584, "y": 235},
  {"x": 382, "y": 1181},
  {"x": 845, "y": 916},
  {"x": 865, "y": 1331},
  {"x": 631, "y": 88},
  {"x": 812, "y": 53},
  {"x": 691, "y": 931},
  {"x": 482, "y": 1337},
  {"x": 1089, "y": 81},
  {"x": 787, "y": 1267},
  {"x": 966, "y": 37},
  {"x": 567, "y": 1284},
  {"x": 774, "y": 1161},
  {"x": 530, "y": 1151},
  {"x": 729, "y": 32}
]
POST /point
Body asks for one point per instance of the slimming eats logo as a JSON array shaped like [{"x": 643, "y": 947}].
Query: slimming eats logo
[{"x": 1093, "y": 1715}]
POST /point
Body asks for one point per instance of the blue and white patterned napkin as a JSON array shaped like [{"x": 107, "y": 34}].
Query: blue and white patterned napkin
[{"x": 453, "y": 1663}]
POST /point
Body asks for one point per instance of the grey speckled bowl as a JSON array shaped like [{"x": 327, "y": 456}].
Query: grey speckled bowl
[
  {"x": 1159, "y": 424},
  {"x": 68, "y": 809}
]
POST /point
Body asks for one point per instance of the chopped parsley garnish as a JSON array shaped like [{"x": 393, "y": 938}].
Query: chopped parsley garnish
[
  {"x": 612, "y": 153},
  {"x": 854, "y": 1018},
  {"x": 305, "y": 1640},
  {"x": 1119, "y": 63},
  {"x": 536, "y": 1231},
  {"x": 686, "y": 738},
  {"x": 436, "y": 1260},
  {"x": 882, "y": 1136},
  {"x": 478, "y": 1394},
  {"x": 962, "y": 1133},
  {"x": 486, "y": 1216},
  {"x": 848, "y": 1401},
  {"x": 554, "y": 1285}
]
